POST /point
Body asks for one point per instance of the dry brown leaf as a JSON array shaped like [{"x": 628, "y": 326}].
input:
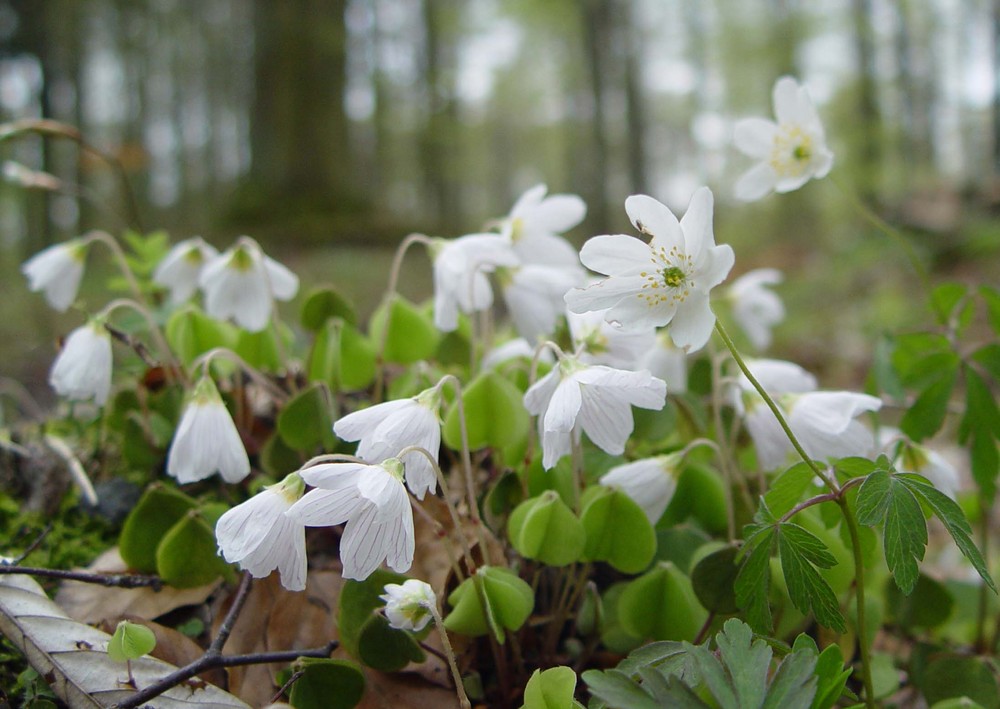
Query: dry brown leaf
[
  {"x": 277, "y": 619},
  {"x": 404, "y": 691},
  {"x": 92, "y": 603}
]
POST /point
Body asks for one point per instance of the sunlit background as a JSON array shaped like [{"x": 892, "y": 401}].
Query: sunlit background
[{"x": 328, "y": 129}]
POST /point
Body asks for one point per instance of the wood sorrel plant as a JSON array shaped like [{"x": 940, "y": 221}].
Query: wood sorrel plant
[{"x": 711, "y": 542}]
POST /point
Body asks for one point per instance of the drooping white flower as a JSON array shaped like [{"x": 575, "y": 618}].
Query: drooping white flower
[
  {"x": 260, "y": 537},
  {"x": 206, "y": 441},
  {"x": 911, "y": 457},
  {"x": 460, "y": 275},
  {"x": 180, "y": 268},
  {"x": 822, "y": 421},
  {"x": 665, "y": 281},
  {"x": 756, "y": 308},
  {"x": 512, "y": 349},
  {"x": 386, "y": 429},
  {"x": 600, "y": 342},
  {"x": 791, "y": 150},
  {"x": 82, "y": 370},
  {"x": 594, "y": 399},
  {"x": 57, "y": 272},
  {"x": 372, "y": 500},
  {"x": 410, "y": 605},
  {"x": 243, "y": 284},
  {"x": 650, "y": 482},
  {"x": 535, "y": 223},
  {"x": 665, "y": 360},
  {"x": 534, "y": 296}
]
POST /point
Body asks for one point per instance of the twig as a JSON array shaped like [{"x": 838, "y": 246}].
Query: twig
[
  {"x": 110, "y": 580},
  {"x": 287, "y": 685},
  {"x": 211, "y": 662},
  {"x": 242, "y": 593},
  {"x": 34, "y": 545}
]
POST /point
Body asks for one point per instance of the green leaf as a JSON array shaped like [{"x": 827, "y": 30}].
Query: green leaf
[
  {"x": 925, "y": 417},
  {"x": 190, "y": 334},
  {"x": 928, "y": 606},
  {"x": 661, "y": 605},
  {"x": 357, "y": 604},
  {"x": 545, "y": 528},
  {"x": 713, "y": 580},
  {"x": 944, "y": 299},
  {"x": 187, "y": 556},
  {"x": 951, "y": 515},
  {"x": 551, "y": 689},
  {"x": 991, "y": 296},
  {"x": 981, "y": 412},
  {"x": 322, "y": 304},
  {"x": 130, "y": 641},
  {"x": 753, "y": 582},
  {"x": 327, "y": 684},
  {"x": 806, "y": 588},
  {"x": 794, "y": 684},
  {"x": 509, "y": 600},
  {"x": 411, "y": 335},
  {"x": 884, "y": 498},
  {"x": 957, "y": 676},
  {"x": 789, "y": 488},
  {"x": 618, "y": 690},
  {"x": 494, "y": 414},
  {"x": 748, "y": 662},
  {"x": 305, "y": 423},
  {"x": 617, "y": 531},
  {"x": 157, "y": 511},
  {"x": 262, "y": 349},
  {"x": 989, "y": 357},
  {"x": 883, "y": 372},
  {"x": 384, "y": 648}
]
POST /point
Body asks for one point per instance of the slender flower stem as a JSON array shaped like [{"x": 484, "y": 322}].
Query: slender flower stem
[
  {"x": 463, "y": 698},
  {"x": 206, "y": 359},
  {"x": 470, "y": 482},
  {"x": 892, "y": 232},
  {"x": 725, "y": 455},
  {"x": 397, "y": 265},
  {"x": 852, "y": 525}
]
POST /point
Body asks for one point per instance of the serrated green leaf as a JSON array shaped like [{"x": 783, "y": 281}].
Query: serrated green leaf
[
  {"x": 989, "y": 357},
  {"x": 747, "y": 660},
  {"x": 951, "y": 515},
  {"x": 789, "y": 488},
  {"x": 808, "y": 545},
  {"x": 873, "y": 498},
  {"x": 714, "y": 675},
  {"x": 793, "y": 685},
  {"x": 925, "y": 417},
  {"x": 753, "y": 582},
  {"x": 904, "y": 536},
  {"x": 618, "y": 690},
  {"x": 806, "y": 588},
  {"x": 981, "y": 412},
  {"x": 883, "y": 372},
  {"x": 831, "y": 677},
  {"x": 945, "y": 298},
  {"x": 991, "y": 296}
]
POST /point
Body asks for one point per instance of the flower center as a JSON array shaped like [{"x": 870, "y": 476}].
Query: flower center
[
  {"x": 792, "y": 151},
  {"x": 241, "y": 259},
  {"x": 671, "y": 281}
]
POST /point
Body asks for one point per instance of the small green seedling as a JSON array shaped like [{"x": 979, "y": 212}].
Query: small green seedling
[{"x": 130, "y": 642}]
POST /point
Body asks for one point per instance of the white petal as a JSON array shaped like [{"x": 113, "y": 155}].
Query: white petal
[
  {"x": 557, "y": 213},
  {"x": 831, "y": 411},
  {"x": 697, "y": 223},
  {"x": 615, "y": 254},
  {"x": 755, "y": 137},
  {"x": 537, "y": 398},
  {"x": 325, "y": 508},
  {"x": 547, "y": 250},
  {"x": 651, "y": 217},
  {"x": 791, "y": 102},
  {"x": 606, "y": 419},
  {"x": 284, "y": 284},
  {"x": 755, "y": 183},
  {"x": 356, "y": 424},
  {"x": 693, "y": 323},
  {"x": 564, "y": 406},
  {"x": 604, "y": 294},
  {"x": 83, "y": 368},
  {"x": 634, "y": 313},
  {"x": 555, "y": 445}
]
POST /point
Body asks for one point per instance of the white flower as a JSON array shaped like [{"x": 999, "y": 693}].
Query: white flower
[
  {"x": 410, "y": 605},
  {"x": 385, "y": 429},
  {"x": 911, "y": 457},
  {"x": 791, "y": 150},
  {"x": 595, "y": 399},
  {"x": 755, "y": 308},
  {"x": 664, "y": 360},
  {"x": 822, "y": 421},
  {"x": 83, "y": 368},
  {"x": 206, "y": 440},
  {"x": 373, "y": 502},
  {"x": 460, "y": 275},
  {"x": 649, "y": 482},
  {"x": 534, "y": 297},
  {"x": 535, "y": 222},
  {"x": 57, "y": 272},
  {"x": 180, "y": 268},
  {"x": 665, "y": 281},
  {"x": 243, "y": 283},
  {"x": 513, "y": 349},
  {"x": 603, "y": 343},
  {"x": 260, "y": 537}
]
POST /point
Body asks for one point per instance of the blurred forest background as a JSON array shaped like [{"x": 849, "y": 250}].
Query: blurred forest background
[{"x": 310, "y": 124}]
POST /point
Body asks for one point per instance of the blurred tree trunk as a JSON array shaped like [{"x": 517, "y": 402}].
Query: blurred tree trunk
[
  {"x": 868, "y": 112},
  {"x": 911, "y": 58},
  {"x": 597, "y": 33},
  {"x": 996, "y": 87},
  {"x": 438, "y": 138},
  {"x": 629, "y": 40},
  {"x": 299, "y": 129}
]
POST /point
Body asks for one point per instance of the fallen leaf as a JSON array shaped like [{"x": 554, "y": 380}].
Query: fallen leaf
[{"x": 92, "y": 603}]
